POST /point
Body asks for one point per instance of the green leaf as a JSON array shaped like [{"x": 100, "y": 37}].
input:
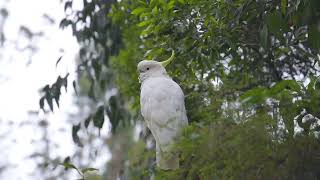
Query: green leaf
[
  {"x": 145, "y": 14},
  {"x": 69, "y": 166},
  {"x": 254, "y": 96},
  {"x": 145, "y": 23},
  {"x": 285, "y": 84},
  {"x": 147, "y": 30},
  {"x": 138, "y": 10},
  {"x": 152, "y": 2},
  {"x": 84, "y": 170},
  {"x": 284, "y": 6},
  {"x": 264, "y": 37},
  {"x": 171, "y": 5},
  {"x": 98, "y": 118},
  {"x": 155, "y": 10},
  {"x": 314, "y": 36},
  {"x": 274, "y": 22}
]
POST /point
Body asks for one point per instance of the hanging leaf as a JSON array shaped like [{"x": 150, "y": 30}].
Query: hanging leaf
[
  {"x": 59, "y": 59},
  {"x": 68, "y": 165},
  {"x": 264, "y": 37},
  {"x": 75, "y": 86},
  {"x": 87, "y": 121},
  {"x": 274, "y": 22},
  {"x": 291, "y": 85},
  {"x": 67, "y": 5},
  {"x": 255, "y": 96},
  {"x": 98, "y": 118},
  {"x": 91, "y": 93},
  {"x": 284, "y": 6},
  {"x": 41, "y": 103},
  {"x": 49, "y": 101},
  {"x": 314, "y": 36},
  {"x": 75, "y": 137},
  {"x": 97, "y": 68},
  {"x": 64, "y": 82},
  {"x": 64, "y": 23},
  {"x": 113, "y": 112},
  {"x": 84, "y": 170},
  {"x": 138, "y": 11},
  {"x": 66, "y": 160}
]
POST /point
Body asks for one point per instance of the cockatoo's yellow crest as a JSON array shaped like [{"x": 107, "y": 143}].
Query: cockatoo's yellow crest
[{"x": 168, "y": 61}]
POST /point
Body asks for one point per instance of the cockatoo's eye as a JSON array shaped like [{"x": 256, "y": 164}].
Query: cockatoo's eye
[{"x": 148, "y": 69}]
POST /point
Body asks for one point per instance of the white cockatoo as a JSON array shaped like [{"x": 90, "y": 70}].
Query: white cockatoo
[{"x": 163, "y": 109}]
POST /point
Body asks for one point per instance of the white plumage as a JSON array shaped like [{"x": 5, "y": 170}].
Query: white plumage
[{"x": 163, "y": 108}]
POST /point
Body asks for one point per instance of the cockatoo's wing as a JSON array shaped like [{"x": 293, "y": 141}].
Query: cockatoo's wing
[{"x": 162, "y": 106}]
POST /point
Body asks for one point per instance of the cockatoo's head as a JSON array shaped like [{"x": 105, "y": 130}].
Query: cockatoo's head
[
  {"x": 147, "y": 68},
  {"x": 150, "y": 68}
]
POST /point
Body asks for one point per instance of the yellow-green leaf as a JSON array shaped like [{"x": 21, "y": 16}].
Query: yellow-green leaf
[
  {"x": 138, "y": 11},
  {"x": 284, "y": 6}
]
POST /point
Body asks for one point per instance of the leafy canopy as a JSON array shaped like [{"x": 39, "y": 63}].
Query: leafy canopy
[{"x": 248, "y": 69}]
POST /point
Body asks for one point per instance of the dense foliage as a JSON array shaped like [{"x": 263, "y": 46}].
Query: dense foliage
[{"x": 248, "y": 70}]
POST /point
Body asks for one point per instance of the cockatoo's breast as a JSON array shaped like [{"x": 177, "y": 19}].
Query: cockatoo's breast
[
  {"x": 160, "y": 89},
  {"x": 162, "y": 105}
]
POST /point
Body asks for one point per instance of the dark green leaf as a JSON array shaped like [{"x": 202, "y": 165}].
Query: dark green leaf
[
  {"x": 314, "y": 36},
  {"x": 68, "y": 166},
  {"x": 75, "y": 136},
  {"x": 274, "y": 22},
  {"x": 114, "y": 112},
  {"x": 59, "y": 59},
  {"x": 91, "y": 93},
  {"x": 84, "y": 170},
  {"x": 64, "y": 82},
  {"x": 41, "y": 103},
  {"x": 64, "y": 23},
  {"x": 254, "y": 96},
  {"x": 98, "y": 118},
  {"x": 49, "y": 101},
  {"x": 87, "y": 121},
  {"x": 75, "y": 86},
  {"x": 97, "y": 68},
  {"x": 67, "y": 159},
  {"x": 264, "y": 37},
  {"x": 67, "y": 5}
]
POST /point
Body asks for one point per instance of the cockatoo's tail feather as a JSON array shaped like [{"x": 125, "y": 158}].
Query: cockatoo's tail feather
[{"x": 168, "y": 61}]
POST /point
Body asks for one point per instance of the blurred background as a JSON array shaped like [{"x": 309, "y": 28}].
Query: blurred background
[
  {"x": 33, "y": 141},
  {"x": 69, "y": 90}
]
